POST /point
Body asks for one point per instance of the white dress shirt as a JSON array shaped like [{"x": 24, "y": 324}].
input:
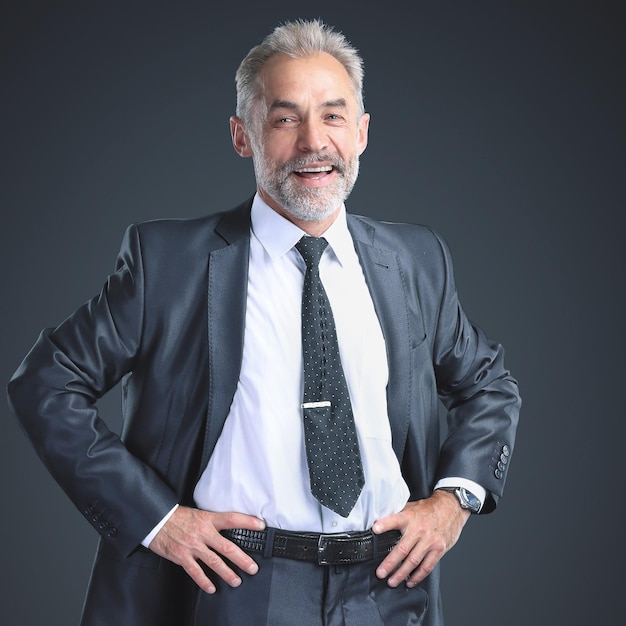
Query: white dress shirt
[{"x": 259, "y": 465}]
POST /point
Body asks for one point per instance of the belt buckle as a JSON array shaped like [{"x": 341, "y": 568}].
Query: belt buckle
[{"x": 326, "y": 542}]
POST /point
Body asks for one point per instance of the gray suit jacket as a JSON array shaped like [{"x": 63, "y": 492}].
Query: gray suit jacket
[{"x": 169, "y": 323}]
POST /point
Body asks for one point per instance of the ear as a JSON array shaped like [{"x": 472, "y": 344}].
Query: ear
[
  {"x": 239, "y": 137},
  {"x": 362, "y": 133}
]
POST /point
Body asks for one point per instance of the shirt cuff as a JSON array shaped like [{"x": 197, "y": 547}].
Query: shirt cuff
[
  {"x": 148, "y": 539},
  {"x": 478, "y": 490}
]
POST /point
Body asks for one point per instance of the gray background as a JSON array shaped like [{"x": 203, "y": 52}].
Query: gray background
[{"x": 501, "y": 124}]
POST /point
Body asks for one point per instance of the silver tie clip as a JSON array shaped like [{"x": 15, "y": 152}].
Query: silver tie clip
[{"x": 315, "y": 405}]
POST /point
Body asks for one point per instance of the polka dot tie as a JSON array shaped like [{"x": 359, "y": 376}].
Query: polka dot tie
[{"x": 332, "y": 447}]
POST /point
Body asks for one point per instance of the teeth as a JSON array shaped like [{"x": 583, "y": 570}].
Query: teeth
[{"x": 313, "y": 170}]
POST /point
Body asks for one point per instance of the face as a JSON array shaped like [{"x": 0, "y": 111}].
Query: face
[{"x": 307, "y": 137}]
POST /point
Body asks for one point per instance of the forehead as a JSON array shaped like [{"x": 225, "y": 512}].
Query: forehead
[{"x": 318, "y": 77}]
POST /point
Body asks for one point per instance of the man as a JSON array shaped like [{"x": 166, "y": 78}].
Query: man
[{"x": 209, "y": 505}]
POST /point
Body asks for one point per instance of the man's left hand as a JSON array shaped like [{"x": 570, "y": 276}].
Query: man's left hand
[{"x": 429, "y": 529}]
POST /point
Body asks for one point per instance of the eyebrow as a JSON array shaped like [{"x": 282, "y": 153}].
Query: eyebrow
[{"x": 288, "y": 104}]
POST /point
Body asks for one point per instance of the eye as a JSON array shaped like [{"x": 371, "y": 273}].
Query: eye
[
  {"x": 285, "y": 120},
  {"x": 334, "y": 117}
]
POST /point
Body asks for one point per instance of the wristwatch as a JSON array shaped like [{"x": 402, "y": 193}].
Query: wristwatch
[{"x": 466, "y": 498}]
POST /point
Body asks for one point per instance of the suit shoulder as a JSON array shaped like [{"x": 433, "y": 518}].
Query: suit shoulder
[
  {"x": 403, "y": 237},
  {"x": 208, "y": 231},
  {"x": 168, "y": 228}
]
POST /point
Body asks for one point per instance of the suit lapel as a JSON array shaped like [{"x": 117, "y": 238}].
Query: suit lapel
[
  {"x": 226, "y": 300},
  {"x": 384, "y": 280}
]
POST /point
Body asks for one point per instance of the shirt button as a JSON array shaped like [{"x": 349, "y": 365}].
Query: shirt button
[{"x": 334, "y": 523}]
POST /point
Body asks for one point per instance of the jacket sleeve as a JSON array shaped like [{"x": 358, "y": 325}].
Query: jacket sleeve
[
  {"x": 479, "y": 393},
  {"x": 54, "y": 394}
]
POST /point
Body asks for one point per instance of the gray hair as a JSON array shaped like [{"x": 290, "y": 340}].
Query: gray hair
[{"x": 297, "y": 39}]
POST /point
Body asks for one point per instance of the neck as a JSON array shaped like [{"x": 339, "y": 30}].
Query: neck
[{"x": 315, "y": 229}]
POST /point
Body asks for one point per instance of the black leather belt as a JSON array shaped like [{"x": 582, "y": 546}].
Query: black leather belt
[{"x": 324, "y": 549}]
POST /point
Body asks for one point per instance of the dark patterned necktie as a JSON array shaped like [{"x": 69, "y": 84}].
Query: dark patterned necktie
[{"x": 332, "y": 447}]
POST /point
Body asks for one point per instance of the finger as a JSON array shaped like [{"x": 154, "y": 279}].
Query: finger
[
  {"x": 390, "y": 522},
  {"x": 219, "y": 566},
  {"x": 188, "y": 557},
  {"x": 416, "y": 566},
  {"x": 222, "y": 521},
  {"x": 196, "y": 573},
  {"x": 392, "y": 562},
  {"x": 233, "y": 553},
  {"x": 227, "y": 548},
  {"x": 425, "y": 568},
  {"x": 399, "y": 551}
]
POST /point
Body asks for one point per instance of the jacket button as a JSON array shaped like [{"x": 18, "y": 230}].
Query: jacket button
[
  {"x": 506, "y": 450},
  {"x": 498, "y": 474}
]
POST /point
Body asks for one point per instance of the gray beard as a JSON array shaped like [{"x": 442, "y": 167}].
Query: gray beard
[{"x": 305, "y": 203}]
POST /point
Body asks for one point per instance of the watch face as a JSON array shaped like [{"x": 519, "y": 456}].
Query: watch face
[{"x": 469, "y": 500}]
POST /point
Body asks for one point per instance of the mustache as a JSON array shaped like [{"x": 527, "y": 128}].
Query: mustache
[{"x": 320, "y": 157}]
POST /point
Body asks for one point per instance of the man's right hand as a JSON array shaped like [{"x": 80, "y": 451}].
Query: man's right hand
[{"x": 192, "y": 535}]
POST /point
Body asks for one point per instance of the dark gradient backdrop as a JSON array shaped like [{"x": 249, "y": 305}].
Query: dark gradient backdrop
[{"x": 499, "y": 123}]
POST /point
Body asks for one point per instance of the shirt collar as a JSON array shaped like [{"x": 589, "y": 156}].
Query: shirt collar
[{"x": 278, "y": 235}]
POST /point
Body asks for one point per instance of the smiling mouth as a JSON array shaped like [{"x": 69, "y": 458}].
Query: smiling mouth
[{"x": 314, "y": 172}]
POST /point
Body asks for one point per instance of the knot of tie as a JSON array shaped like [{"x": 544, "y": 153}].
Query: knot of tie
[{"x": 311, "y": 250}]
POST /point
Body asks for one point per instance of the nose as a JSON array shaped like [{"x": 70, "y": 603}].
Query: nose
[{"x": 311, "y": 137}]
